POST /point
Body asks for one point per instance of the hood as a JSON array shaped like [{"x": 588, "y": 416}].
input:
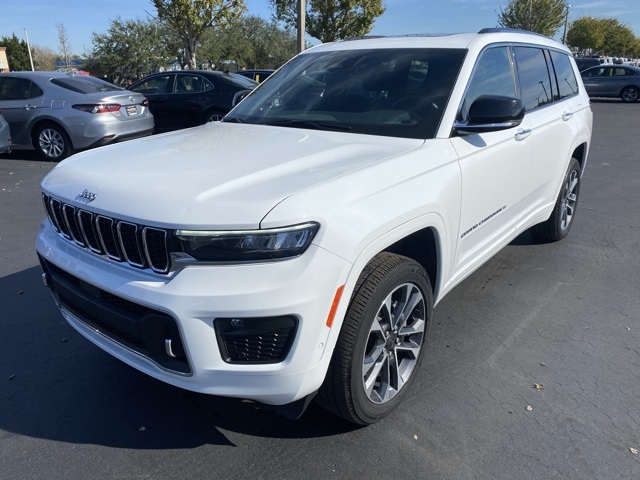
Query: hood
[{"x": 217, "y": 176}]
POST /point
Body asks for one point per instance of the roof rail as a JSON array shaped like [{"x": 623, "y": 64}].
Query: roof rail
[{"x": 511, "y": 30}]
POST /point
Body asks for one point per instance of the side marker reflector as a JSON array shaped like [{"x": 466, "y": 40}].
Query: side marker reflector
[{"x": 334, "y": 306}]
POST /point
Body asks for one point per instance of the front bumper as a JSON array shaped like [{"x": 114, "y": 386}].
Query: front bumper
[{"x": 194, "y": 297}]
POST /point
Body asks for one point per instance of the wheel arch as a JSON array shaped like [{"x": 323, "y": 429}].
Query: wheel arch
[
  {"x": 426, "y": 244},
  {"x": 44, "y": 121}
]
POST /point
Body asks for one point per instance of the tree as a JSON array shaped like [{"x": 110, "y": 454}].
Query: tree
[
  {"x": 132, "y": 49},
  {"x": 17, "y": 53},
  {"x": 604, "y": 35},
  {"x": 248, "y": 41},
  {"x": 190, "y": 19},
  {"x": 585, "y": 34},
  {"x": 43, "y": 58},
  {"x": 619, "y": 39},
  {"x": 540, "y": 16},
  {"x": 63, "y": 46},
  {"x": 329, "y": 21}
]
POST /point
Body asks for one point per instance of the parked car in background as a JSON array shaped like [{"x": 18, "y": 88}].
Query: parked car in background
[
  {"x": 58, "y": 113},
  {"x": 621, "y": 81},
  {"x": 192, "y": 97},
  {"x": 257, "y": 75},
  {"x": 5, "y": 135}
]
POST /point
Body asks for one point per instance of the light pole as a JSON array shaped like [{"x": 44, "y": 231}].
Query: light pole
[
  {"x": 300, "y": 24},
  {"x": 566, "y": 20},
  {"x": 29, "y": 48}
]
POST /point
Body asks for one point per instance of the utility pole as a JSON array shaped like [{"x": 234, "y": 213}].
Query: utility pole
[
  {"x": 302, "y": 7},
  {"x": 29, "y": 48},
  {"x": 566, "y": 20}
]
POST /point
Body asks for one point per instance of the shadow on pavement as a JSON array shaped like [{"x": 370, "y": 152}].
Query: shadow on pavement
[{"x": 56, "y": 385}]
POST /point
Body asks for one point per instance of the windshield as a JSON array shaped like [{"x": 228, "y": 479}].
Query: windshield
[
  {"x": 392, "y": 92},
  {"x": 84, "y": 84}
]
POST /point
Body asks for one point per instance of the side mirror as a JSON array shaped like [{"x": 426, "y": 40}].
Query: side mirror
[
  {"x": 491, "y": 113},
  {"x": 239, "y": 96}
]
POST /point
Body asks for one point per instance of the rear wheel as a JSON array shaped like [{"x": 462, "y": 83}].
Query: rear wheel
[
  {"x": 382, "y": 340},
  {"x": 52, "y": 142},
  {"x": 214, "y": 116},
  {"x": 630, "y": 94},
  {"x": 559, "y": 223}
]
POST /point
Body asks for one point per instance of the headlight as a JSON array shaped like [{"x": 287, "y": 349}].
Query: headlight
[{"x": 248, "y": 245}]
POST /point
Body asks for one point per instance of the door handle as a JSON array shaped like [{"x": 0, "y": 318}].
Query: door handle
[
  {"x": 567, "y": 116},
  {"x": 521, "y": 135}
]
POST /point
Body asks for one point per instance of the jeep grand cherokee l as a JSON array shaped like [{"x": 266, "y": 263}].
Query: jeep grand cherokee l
[{"x": 297, "y": 248}]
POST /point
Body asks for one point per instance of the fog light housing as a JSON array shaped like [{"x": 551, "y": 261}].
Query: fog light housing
[{"x": 255, "y": 340}]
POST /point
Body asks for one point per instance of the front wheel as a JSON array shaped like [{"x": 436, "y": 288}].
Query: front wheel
[
  {"x": 52, "y": 142},
  {"x": 559, "y": 223},
  {"x": 630, "y": 94},
  {"x": 382, "y": 340}
]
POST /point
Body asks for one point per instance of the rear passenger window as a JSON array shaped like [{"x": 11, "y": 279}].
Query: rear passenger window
[
  {"x": 493, "y": 75},
  {"x": 534, "y": 77},
  {"x": 567, "y": 83}
]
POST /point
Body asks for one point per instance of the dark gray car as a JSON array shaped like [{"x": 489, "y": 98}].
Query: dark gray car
[
  {"x": 621, "y": 81},
  {"x": 5, "y": 136},
  {"x": 57, "y": 113}
]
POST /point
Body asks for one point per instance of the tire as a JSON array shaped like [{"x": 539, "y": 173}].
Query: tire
[
  {"x": 374, "y": 362},
  {"x": 630, "y": 94},
  {"x": 559, "y": 223},
  {"x": 52, "y": 142},
  {"x": 214, "y": 116}
]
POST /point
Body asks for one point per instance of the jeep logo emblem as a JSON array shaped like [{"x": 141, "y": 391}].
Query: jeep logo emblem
[{"x": 87, "y": 195}]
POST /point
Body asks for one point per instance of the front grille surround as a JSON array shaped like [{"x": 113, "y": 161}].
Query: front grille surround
[{"x": 141, "y": 246}]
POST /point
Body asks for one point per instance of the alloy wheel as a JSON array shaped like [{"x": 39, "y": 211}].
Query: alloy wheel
[
  {"x": 51, "y": 142},
  {"x": 394, "y": 343}
]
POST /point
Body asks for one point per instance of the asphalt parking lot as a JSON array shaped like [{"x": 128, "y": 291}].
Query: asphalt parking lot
[{"x": 564, "y": 316}]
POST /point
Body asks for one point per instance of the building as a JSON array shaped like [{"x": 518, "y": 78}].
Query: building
[{"x": 4, "y": 61}]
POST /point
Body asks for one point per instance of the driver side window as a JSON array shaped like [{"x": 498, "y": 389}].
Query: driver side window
[{"x": 493, "y": 75}]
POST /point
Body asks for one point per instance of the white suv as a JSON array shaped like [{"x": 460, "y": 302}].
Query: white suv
[{"x": 298, "y": 247}]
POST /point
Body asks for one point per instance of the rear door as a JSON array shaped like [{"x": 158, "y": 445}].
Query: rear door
[
  {"x": 546, "y": 92},
  {"x": 20, "y": 101}
]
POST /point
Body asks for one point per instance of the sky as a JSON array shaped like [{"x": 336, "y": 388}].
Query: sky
[{"x": 83, "y": 17}]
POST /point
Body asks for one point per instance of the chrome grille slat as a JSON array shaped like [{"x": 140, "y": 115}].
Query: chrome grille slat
[
  {"x": 108, "y": 240},
  {"x": 85, "y": 220},
  {"x": 56, "y": 210},
  {"x": 129, "y": 243},
  {"x": 69, "y": 213},
  {"x": 151, "y": 237},
  {"x": 140, "y": 246}
]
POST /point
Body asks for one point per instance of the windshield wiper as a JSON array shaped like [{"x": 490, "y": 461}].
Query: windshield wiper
[
  {"x": 231, "y": 120},
  {"x": 313, "y": 124}
]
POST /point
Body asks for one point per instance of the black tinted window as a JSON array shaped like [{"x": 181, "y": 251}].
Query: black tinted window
[
  {"x": 12, "y": 88},
  {"x": 84, "y": 84},
  {"x": 157, "y": 84},
  {"x": 391, "y": 92},
  {"x": 534, "y": 77},
  {"x": 493, "y": 75},
  {"x": 567, "y": 83}
]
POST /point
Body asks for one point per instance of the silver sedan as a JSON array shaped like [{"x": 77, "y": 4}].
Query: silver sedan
[{"x": 58, "y": 113}]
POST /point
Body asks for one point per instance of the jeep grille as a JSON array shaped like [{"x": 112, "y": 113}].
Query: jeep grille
[{"x": 140, "y": 246}]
